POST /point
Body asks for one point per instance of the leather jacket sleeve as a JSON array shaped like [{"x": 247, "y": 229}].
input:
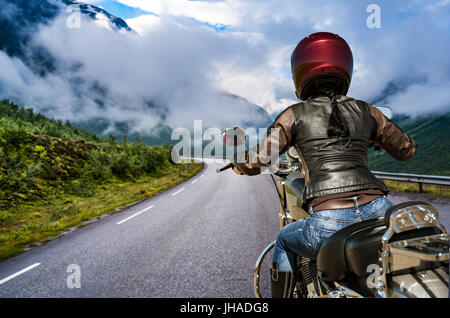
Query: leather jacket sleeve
[
  {"x": 279, "y": 139},
  {"x": 391, "y": 138}
]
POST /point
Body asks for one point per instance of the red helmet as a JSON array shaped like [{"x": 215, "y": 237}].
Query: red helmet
[{"x": 321, "y": 57}]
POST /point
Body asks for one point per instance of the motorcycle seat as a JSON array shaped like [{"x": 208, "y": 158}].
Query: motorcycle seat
[{"x": 351, "y": 249}]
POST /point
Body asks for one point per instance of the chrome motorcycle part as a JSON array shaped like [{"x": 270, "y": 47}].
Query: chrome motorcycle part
[
  {"x": 234, "y": 137},
  {"x": 257, "y": 269},
  {"x": 304, "y": 269},
  {"x": 432, "y": 283},
  {"x": 403, "y": 259},
  {"x": 305, "y": 288},
  {"x": 285, "y": 218},
  {"x": 303, "y": 278},
  {"x": 411, "y": 216},
  {"x": 414, "y": 252},
  {"x": 347, "y": 292},
  {"x": 318, "y": 291},
  {"x": 292, "y": 152},
  {"x": 339, "y": 291}
]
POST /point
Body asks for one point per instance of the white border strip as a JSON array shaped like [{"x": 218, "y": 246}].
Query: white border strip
[
  {"x": 136, "y": 214},
  {"x": 4, "y": 280},
  {"x": 173, "y": 194}
]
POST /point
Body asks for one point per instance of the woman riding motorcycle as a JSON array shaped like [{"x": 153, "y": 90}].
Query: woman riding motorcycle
[{"x": 331, "y": 133}]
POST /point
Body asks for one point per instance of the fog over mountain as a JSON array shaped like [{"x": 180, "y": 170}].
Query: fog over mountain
[
  {"x": 217, "y": 61},
  {"x": 103, "y": 72}
]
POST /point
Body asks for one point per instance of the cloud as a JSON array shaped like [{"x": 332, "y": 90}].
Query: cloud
[
  {"x": 220, "y": 12},
  {"x": 418, "y": 99},
  {"x": 411, "y": 44},
  {"x": 160, "y": 77},
  {"x": 143, "y": 23},
  {"x": 438, "y": 5}
]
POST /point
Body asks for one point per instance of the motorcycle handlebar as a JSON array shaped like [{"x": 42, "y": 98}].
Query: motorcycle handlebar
[{"x": 228, "y": 166}]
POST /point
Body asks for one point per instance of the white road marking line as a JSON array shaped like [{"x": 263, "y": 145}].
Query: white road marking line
[
  {"x": 136, "y": 214},
  {"x": 4, "y": 280},
  {"x": 193, "y": 182},
  {"x": 173, "y": 194}
]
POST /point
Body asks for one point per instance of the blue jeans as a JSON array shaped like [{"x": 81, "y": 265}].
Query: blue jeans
[{"x": 305, "y": 237}]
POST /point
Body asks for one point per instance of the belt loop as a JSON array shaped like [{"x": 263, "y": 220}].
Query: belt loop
[
  {"x": 310, "y": 212},
  {"x": 355, "y": 202}
]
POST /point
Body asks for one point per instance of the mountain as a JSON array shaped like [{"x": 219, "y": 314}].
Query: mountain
[
  {"x": 97, "y": 13},
  {"x": 432, "y": 134},
  {"x": 40, "y": 156},
  {"x": 20, "y": 21},
  {"x": 162, "y": 133},
  {"x": 260, "y": 118},
  {"x": 54, "y": 176},
  {"x": 396, "y": 86}
]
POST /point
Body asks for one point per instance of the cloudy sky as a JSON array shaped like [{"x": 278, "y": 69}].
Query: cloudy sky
[
  {"x": 184, "y": 52},
  {"x": 409, "y": 50}
]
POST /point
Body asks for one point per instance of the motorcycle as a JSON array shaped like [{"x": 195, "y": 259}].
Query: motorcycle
[{"x": 405, "y": 254}]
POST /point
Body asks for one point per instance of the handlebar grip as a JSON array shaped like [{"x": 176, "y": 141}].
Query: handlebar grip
[{"x": 228, "y": 166}]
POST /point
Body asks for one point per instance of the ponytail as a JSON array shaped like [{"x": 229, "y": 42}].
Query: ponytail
[{"x": 337, "y": 125}]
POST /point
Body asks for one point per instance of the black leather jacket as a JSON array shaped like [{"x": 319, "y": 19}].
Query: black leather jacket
[{"x": 331, "y": 165}]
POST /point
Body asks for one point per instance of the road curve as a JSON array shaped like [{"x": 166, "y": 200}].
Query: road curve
[{"x": 198, "y": 239}]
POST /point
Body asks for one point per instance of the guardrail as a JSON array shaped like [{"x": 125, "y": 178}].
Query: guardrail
[
  {"x": 407, "y": 177},
  {"x": 417, "y": 178}
]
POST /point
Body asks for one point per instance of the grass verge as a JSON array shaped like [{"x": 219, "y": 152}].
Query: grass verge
[
  {"x": 34, "y": 223},
  {"x": 433, "y": 189}
]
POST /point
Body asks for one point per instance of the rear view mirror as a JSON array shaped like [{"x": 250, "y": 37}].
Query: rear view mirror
[
  {"x": 292, "y": 152},
  {"x": 233, "y": 137},
  {"x": 387, "y": 111}
]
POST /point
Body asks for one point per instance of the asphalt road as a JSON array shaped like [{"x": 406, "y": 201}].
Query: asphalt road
[{"x": 198, "y": 239}]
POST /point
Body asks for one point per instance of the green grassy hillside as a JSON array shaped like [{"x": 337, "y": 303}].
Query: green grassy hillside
[
  {"x": 432, "y": 133},
  {"x": 53, "y": 175}
]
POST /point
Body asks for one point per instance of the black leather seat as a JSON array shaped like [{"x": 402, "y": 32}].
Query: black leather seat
[{"x": 351, "y": 249}]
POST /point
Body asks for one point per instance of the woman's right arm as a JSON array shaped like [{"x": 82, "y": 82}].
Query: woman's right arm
[{"x": 391, "y": 138}]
